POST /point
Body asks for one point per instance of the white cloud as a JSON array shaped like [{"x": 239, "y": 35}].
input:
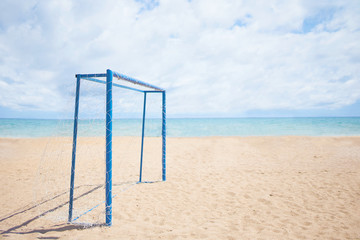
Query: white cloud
[{"x": 212, "y": 56}]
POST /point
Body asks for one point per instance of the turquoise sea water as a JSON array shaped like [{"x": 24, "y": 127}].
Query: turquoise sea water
[{"x": 327, "y": 126}]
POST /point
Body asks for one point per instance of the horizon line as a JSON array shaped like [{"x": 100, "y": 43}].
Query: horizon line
[{"x": 200, "y": 117}]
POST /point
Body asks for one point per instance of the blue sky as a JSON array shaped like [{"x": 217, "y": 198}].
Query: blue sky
[{"x": 215, "y": 58}]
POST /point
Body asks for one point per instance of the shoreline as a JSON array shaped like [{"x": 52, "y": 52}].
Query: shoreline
[{"x": 195, "y": 137}]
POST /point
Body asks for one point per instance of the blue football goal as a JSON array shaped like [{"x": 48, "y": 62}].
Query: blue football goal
[{"x": 112, "y": 79}]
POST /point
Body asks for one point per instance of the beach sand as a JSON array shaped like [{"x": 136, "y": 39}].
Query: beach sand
[{"x": 287, "y": 187}]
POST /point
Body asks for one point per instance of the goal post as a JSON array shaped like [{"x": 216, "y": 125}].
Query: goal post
[{"x": 125, "y": 83}]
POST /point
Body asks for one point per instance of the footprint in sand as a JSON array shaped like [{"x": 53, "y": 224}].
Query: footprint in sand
[
  {"x": 232, "y": 194},
  {"x": 266, "y": 202}
]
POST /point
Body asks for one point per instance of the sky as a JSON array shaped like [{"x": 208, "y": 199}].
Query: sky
[{"x": 215, "y": 58}]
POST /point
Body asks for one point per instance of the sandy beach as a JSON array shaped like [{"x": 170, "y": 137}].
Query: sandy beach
[{"x": 287, "y": 187}]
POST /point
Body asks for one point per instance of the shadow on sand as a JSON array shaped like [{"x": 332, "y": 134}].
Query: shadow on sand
[
  {"x": 59, "y": 227},
  {"x": 56, "y": 228}
]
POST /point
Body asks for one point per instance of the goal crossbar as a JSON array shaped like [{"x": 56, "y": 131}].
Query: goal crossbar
[
  {"x": 120, "y": 76},
  {"x": 148, "y": 88}
]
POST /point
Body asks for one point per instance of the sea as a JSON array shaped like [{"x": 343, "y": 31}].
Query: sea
[{"x": 185, "y": 127}]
